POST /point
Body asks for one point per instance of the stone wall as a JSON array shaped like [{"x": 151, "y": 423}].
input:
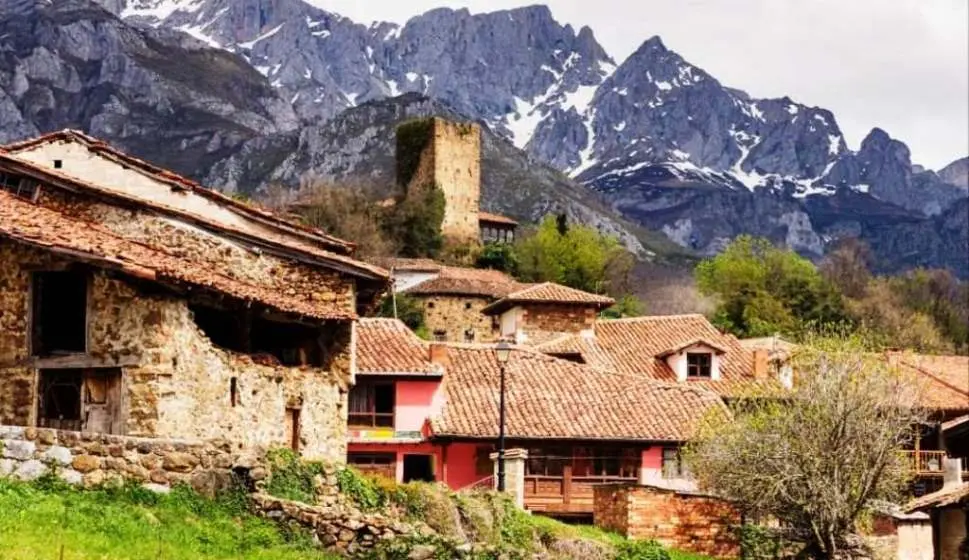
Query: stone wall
[
  {"x": 175, "y": 382},
  {"x": 452, "y": 161},
  {"x": 456, "y": 314},
  {"x": 338, "y": 527},
  {"x": 686, "y": 521},
  {"x": 322, "y": 286},
  {"x": 542, "y": 321},
  {"x": 92, "y": 459}
]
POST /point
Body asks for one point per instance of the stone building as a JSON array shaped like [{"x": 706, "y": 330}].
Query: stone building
[
  {"x": 454, "y": 301},
  {"x": 447, "y": 154},
  {"x": 136, "y": 302}
]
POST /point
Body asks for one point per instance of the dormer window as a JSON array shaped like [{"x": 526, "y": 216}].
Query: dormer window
[{"x": 699, "y": 365}]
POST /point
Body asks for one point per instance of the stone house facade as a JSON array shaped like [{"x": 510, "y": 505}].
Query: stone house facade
[{"x": 136, "y": 302}]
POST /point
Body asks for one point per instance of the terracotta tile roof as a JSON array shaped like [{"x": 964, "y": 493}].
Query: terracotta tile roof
[
  {"x": 548, "y": 292},
  {"x": 944, "y": 380},
  {"x": 631, "y": 346},
  {"x": 177, "y": 181},
  {"x": 946, "y": 497},
  {"x": 700, "y": 341},
  {"x": 548, "y": 398},
  {"x": 388, "y": 347},
  {"x": 467, "y": 282},
  {"x": 406, "y": 264},
  {"x": 495, "y": 219},
  {"x": 48, "y": 230},
  {"x": 56, "y": 178}
]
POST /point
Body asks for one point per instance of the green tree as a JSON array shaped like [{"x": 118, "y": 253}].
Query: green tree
[
  {"x": 581, "y": 257},
  {"x": 498, "y": 256},
  {"x": 415, "y": 223},
  {"x": 816, "y": 459},
  {"x": 406, "y": 308},
  {"x": 762, "y": 290}
]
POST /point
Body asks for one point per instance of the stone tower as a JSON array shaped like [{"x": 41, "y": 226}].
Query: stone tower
[{"x": 447, "y": 154}]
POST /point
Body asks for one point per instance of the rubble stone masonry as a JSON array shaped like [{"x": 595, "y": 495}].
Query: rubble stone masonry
[
  {"x": 686, "y": 521},
  {"x": 92, "y": 459},
  {"x": 543, "y": 321},
  {"x": 454, "y": 315},
  {"x": 452, "y": 161},
  {"x": 175, "y": 382}
]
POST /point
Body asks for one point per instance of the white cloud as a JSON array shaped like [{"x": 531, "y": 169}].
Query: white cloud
[{"x": 900, "y": 65}]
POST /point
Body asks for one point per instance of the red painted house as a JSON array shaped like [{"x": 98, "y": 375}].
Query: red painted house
[{"x": 430, "y": 411}]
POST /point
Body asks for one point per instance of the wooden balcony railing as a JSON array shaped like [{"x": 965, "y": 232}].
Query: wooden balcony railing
[{"x": 929, "y": 463}]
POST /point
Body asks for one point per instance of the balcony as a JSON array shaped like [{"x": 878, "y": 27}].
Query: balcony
[{"x": 929, "y": 463}]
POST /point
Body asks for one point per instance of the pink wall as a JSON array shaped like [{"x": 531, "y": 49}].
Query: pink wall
[
  {"x": 652, "y": 457},
  {"x": 400, "y": 450},
  {"x": 461, "y": 461},
  {"x": 416, "y": 401}
]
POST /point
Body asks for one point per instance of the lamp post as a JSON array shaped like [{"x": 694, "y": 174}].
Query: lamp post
[{"x": 502, "y": 352}]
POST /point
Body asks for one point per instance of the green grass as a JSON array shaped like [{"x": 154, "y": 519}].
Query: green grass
[{"x": 38, "y": 520}]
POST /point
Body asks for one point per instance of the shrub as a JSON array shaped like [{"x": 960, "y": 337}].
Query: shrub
[
  {"x": 641, "y": 550},
  {"x": 292, "y": 478}
]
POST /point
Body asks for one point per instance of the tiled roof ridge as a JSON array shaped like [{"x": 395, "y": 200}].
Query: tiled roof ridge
[
  {"x": 133, "y": 267},
  {"x": 317, "y": 252},
  {"x": 645, "y": 318},
  {"x": 935, "y": 377},
  {"x": 176, "y": 180}
]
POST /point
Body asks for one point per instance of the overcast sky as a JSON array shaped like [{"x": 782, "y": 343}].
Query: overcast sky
[{"x": 902, "y": 65}]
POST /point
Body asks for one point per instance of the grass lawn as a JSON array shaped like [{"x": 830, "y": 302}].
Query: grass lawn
[{"x": 37, "y": 520}]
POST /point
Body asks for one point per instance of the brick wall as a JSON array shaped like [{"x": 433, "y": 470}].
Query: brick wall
[{"x": 685, "y": 521}]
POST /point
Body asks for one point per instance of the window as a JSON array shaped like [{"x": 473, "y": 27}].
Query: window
[
  {"x": 60, "y": 399},
  {"x": 372, "y": 405},
  {"x": 467, "y": 305},
  {"x": 699, "y": 364},
  {"x": 673, "y": 463},
  {"x": 293, "y": 428},
  {"x": 440, "y": 335},
  {"x": 430, "y": 305},
  {"x": 469, "y": 335},
  {"x": 593, "y": 462},
  {"x": 19, "y": 186},
  {"x": 234, "y": 391},
  {"x": 291, "y": 344},
  {"x": 58, "y": 163},
  {"x": 375, "y": 463},
  {"x": 59, "y": 323}
]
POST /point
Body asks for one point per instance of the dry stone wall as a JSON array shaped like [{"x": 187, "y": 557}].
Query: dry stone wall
[
  {"x": 93, "y": 459},
  {"x": 339, "y": 527}
]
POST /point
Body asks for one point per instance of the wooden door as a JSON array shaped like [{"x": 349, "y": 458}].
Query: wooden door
[{"x": 101, "y": 401}]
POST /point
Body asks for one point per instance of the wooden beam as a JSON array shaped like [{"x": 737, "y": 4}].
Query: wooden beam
[{"x": 76, "y": 361}]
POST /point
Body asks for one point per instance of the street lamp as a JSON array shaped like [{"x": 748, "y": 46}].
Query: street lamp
[{"x": 502, "y": 353}]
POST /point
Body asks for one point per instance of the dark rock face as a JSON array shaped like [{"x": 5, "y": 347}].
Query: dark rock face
[
  {"x": 244, "y": 93},
  {"x": 72, "y": 64}
]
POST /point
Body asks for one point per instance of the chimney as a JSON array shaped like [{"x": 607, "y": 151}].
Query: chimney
[
  {"x": 761, "y": 364},
  {"x": 951, "y": 472},
  {"x": 437, "y": 353}
]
